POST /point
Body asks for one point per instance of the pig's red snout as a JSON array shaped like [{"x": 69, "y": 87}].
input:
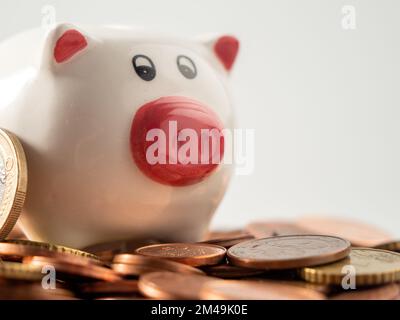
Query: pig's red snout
[{"x": 176, "y": 141}]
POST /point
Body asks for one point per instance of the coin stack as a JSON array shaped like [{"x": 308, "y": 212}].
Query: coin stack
[
  {"x": 267, "y": 260},
  {"x": 312, "y": 258}
]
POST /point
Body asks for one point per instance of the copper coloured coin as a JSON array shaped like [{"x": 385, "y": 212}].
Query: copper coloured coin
[
  {"x": 386, "y": 292},
  {"x": 26, "y": 248},
  {"x": 223, "y": 234},
  {"x": 390, "y": 246},
  {"x": 194, "y": 254},
  {"x": 227, "y": 271},
  {"x": 250, "y": 290},
  {"x": 136, "y": 265},
  {"x": 264, "y": 229},
  {"x": 229, "y": 241},
  {"x": 107, "y": 251},
  {"x": 75, "y": 271},
  {"x": 358, "y": 233},
  {"x": 121, "y": 297},
  {"x": 321, "y": 288},
  {"x": 168, "y": 285},
  {"x": 32, "y": 291},
  {"x": 287, "y": 252},
  {"x": 115, "y": 287}
]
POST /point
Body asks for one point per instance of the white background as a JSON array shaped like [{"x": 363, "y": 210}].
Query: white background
[{"x": 324, "y": 101}]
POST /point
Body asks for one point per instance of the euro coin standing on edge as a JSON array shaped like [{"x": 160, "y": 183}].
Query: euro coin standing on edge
[
  {"x": 13, "y": 181},
  {"x": 370, "y": 266},
  {"x": 287, "y": 252}
]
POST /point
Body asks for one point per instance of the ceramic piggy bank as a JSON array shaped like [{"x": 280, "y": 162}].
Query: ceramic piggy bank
[{"x": 116, "y": 124}]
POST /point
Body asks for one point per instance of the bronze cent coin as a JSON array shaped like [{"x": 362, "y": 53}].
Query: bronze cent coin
[
  {"x": 227, "y": 271},
  {"x": 250, "y": 290},
  {"x": 169, "y": 285},
  {"x": 274, "y": 228},
  {"x": 106, "y": 288},
  {"x": 286, "y": 252},
  {"x": 75, "y": 271},
  {"x": 358, "y": 233},
  {"x": 32, "y": 291},
  {"x": 223, "y": 234},
  {"x": 386, "y": 292},
  {"x": 228, "y": 241},
  {"x": 321, "y": 288},
  {"x": 107, "y": 251},
  {"x": 136, "y": 265},
  {"x": 390, "y": 246},
  {"x": 193, "y": 254}
]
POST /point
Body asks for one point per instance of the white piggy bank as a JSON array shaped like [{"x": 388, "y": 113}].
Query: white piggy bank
[{"x": 90, "y": 106}]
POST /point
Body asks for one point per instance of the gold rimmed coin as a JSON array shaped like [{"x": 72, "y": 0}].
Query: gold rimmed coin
[
  {"x": 18, "y": 271},
  {"x": 169, "y": 285},
  {"x": 13, "y": 181},
  {"x": 250, "y": 290},
  {"x": 136, "y": 265},
  {"x": 287, "y": 252},
  {"x": 26, "y": 248},
  {"x": 370, "y": 267},
  {"x": 193, "y": 254}
]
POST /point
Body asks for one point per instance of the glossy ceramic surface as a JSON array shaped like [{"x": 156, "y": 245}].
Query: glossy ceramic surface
[{"x": 72, "y": 97}]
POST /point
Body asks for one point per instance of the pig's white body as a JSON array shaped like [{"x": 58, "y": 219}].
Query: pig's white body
[{"x": 74, "y": 121}]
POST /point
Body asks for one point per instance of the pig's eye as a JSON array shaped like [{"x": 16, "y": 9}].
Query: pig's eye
[
  {"x": 187, "y": 67},
  {"x": 144, "y": 67}
]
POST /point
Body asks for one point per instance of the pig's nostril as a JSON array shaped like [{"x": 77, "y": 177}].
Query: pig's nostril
[{"x": 177, "y": 141}]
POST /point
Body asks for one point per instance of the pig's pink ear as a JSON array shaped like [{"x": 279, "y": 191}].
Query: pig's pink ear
[
  {"x": 226, "y": 49},
  {"x": 64, "y": 43}
]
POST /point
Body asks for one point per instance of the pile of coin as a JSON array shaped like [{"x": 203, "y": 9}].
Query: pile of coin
[
  {"x": 312, "y": 258},
  {"x": 266, "y": 260}
]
